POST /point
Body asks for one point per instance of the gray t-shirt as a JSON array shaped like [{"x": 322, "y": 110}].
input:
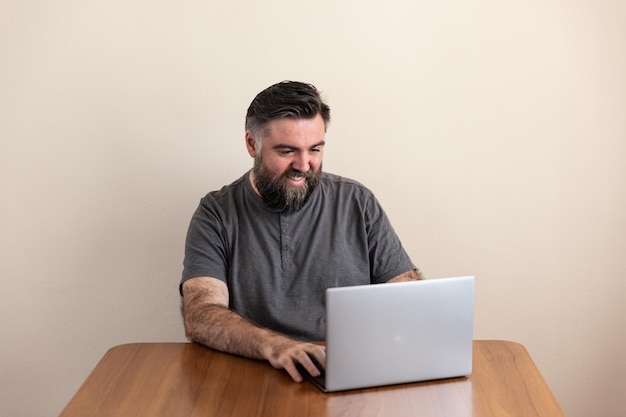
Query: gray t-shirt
[{"x": 278, "y": 266}]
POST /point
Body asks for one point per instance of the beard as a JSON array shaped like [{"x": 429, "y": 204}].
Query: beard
[{"x": 278, "y": 194}]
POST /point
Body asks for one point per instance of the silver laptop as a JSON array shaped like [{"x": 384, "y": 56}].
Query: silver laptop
[{"x": 396, "y": 333}]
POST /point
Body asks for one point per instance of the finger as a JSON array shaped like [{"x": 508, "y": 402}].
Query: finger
[
  {"x": 307, "y": 363},
  {"x": 320, "y": 356},
  {"x": 319, "y": 353},
  {"x": 293, "y": 372}
]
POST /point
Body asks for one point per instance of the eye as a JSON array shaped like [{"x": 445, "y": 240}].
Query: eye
[{"x": 285, "y": 152}]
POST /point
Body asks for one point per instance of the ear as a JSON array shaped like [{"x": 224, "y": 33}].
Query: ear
[{"x": 251, "y": 144}]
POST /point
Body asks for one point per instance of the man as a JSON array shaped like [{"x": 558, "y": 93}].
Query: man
[{"x": 261, "y": 251}]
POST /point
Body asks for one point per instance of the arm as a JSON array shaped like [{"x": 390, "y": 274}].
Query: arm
[
  {"x": 412, "y": 275},
  {"x": 210, "y": 322}
]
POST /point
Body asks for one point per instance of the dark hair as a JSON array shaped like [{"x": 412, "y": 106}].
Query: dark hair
[{"x": 290, "y": 99}]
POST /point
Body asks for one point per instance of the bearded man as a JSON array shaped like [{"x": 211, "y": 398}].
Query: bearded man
[{"x": 261, "y": 252}]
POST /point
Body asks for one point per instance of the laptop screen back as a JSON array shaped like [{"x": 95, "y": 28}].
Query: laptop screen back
[{"x": 402, "y": 332}]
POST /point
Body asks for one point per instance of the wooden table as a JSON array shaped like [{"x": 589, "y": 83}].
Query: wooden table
[{"x": 185, "y": 379}]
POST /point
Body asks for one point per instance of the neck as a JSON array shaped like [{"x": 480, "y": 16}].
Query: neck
[{"x": 252, "y": 179}]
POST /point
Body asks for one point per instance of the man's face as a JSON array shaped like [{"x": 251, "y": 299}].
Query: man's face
[{"x": 288, "y": 166}]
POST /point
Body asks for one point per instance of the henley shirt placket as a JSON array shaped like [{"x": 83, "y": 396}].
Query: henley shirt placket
[{"x": 286, "y": 247}]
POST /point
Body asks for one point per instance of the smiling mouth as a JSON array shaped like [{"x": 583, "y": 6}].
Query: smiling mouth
[
  {"x": 296, "y": 182},
  {"x": 297, "y": 176}
]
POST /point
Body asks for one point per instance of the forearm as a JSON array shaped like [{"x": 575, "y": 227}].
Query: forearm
[
  {"x": 412, "y": 275},
  {"x": 210, "y": 322},
  {"x": 222, "y": 329}
]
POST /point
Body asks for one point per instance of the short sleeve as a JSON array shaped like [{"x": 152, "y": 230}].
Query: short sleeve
[
  {"x": 386, "y": 254},
  {"x": 206, "y": 243}
]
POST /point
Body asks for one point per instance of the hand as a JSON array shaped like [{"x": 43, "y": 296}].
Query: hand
[{"x": 285, "y": 353}]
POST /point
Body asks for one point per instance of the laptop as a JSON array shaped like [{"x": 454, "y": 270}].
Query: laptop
[{"x": 396, "y": 333}]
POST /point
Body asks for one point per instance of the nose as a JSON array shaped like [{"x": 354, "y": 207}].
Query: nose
[{"x": 302, "y": 162}]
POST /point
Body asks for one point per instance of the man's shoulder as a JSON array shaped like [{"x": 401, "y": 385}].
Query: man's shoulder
[
  {"x": 228, "y": 196},
  {"x": 340, "y": 183},
  {"x": 335, "y": 179},
  {"x": 234, "y": 187}
]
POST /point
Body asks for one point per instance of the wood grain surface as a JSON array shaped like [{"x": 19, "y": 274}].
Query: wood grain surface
[{"x": 185, "y": 379}]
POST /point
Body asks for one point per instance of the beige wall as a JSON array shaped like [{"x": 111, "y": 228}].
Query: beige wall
[{"x": 493, "y": 132}]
